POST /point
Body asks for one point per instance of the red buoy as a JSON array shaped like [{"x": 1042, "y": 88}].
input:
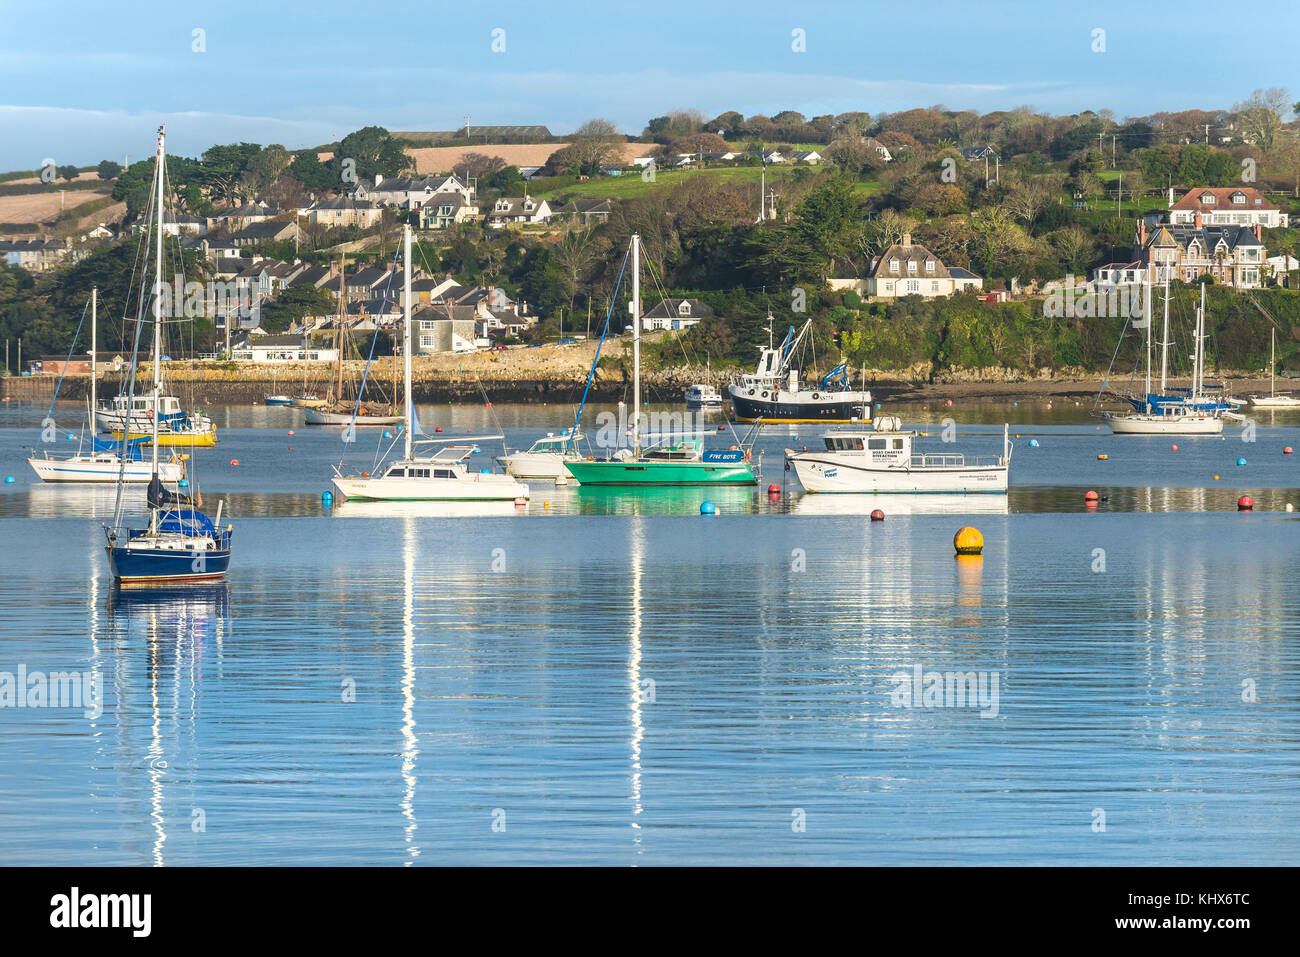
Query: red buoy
[
  {"x": 234, "y": 461},
  {"x": 877, "y": 515},
  {"x": 291, "y": 431},
  {"x": 438, "y": 429},
  {"x": 1173, "y": 448},
  {"x": 721, "y": 428},
  {"x": 365, "y": 475},
  {"x": 1287, "y": 450},
  {"x": 1245, "y": 504},
  {"x": 1090, "y": 496},
  {"x": 774, "y": 489}
]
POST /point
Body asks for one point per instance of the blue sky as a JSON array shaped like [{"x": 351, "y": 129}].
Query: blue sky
[{"x": 80, "y": 82}]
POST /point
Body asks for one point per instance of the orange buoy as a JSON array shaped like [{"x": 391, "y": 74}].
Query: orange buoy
[
  {"x": 1090, "y": 496},
  {"x": 1245, "y": 504},
  {"x": 1173, "y": 448},
  {"x": 1287, "y": 450},
  {"x": 774, "y": 489},
  {"x": 877, "y": 515},
  {"x": 365, "y": 475},
  {"x": 968, "y": 541},
  {"x": 234, "y": 461},
  {"x": 291, "y": 431}
]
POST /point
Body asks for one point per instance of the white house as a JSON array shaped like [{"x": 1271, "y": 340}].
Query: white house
[
  {"x": 1226, "y": 206},
  {"x": 249, "y": 347},
  {"x": 910, "y": 269},
  {"x": 521, "y": 210}
]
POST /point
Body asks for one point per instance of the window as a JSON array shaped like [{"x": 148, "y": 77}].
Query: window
[
  {"x": 443, "y": 473},
  {"x": 1239, "y": 199},
  {"x": 684, "y": 309},
  {"x": 893, "y": 265},
  {"x": 929, "y": 265},
  {"x": 877, "y": 443},
  {"x": 426, "y": 325},
  {"x": 426, "y": 342},
  {"x": 913, "y": 285},
  {"x": 1207, "y": 199},
  {"x": 934, "y": 286},
  {"x": 911, "y": 265},
  {"x": 398, "y": 473},
  {"x": 898, "y": 443}
]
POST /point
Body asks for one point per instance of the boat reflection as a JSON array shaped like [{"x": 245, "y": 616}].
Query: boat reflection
[
  {"x": 359, "y": 509},
  {"x": 865, "y": 504},
  {"x": 88, "y": 501},
  {"x": 661, "y": 500}
]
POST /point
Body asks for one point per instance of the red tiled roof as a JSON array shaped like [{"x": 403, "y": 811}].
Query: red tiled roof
[{"x": 1222, "y": 199}]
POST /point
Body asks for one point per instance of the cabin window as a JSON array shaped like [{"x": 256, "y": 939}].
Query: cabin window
[
  {"x": 857, "y": 445},
  {"x": 898, "y": 443},
  {"x": 398, "y": 473},
  {"x": 876, "y": 443},
  {"x": 443, "y": 473}
]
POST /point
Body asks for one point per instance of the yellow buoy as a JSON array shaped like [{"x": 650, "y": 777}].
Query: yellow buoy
[
  {"x": 1102, "y": 456},
  {"x": 968, "y": 541}
]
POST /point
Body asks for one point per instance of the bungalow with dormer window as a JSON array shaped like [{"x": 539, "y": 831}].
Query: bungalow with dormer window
[
  {"x": 676, "y": 314},
  {"x": 527, "y": 209},
  {"x": 910, "y": 269}
]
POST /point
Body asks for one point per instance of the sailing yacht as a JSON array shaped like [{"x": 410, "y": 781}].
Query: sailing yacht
[
  {"x": 444, "y": 475},
  {"x": 680, "y": 463},
  {"x": 180, "y": 543},
  {"x": 1273, "y": 400},
  {"x": 1161, "y": 414},
  {"x": 104, "y": 462}
]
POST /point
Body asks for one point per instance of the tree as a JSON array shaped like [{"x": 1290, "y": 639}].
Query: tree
[
  {"x": 264, "y": 169},
  {"x": 1260, "y": 116},
  {"x": 506, "y": 181},
  {"x": 222, "y": 167},
  {"x": 575, "y": 254},
  {"x": 107, "y": 169},
  {"x": 68, "y": 172},
  {"x": 372, "y": 149},
  {"x": 307, "y": 169},
  {"x": 294, "y": 304},
  {"x": 594, "y": 143},
  {"x": 1029, "y": 194}
]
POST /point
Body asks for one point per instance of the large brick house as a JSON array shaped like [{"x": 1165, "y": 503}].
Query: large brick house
[{"x": 1233, "y": 255}]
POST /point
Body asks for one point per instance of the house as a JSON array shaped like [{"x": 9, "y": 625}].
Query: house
[
  {"x": 910, "y": 269},
  {"x": 531, "y": 172},
  {"x": 727, "y": 157},
  {"x": 675, "y": 314},
  {"x": 811, "y": 157},
  {"x": 266, "y": 277},
  {"x": 881, "y": 149},
  {"x": 381, "y": 310},
  {"x": 367, "y": 283},
  {"x": 587, "y": 211},
  {"x": 266, "y": 232},
  {"x": 101, "y": 231},
  {"x": 35, "y": 255},
  {"x": 973, "y": 154},
  {"x": 1118, "y": 274},
  {"x": 525, "y": 133},
  {"x": 250, "y": 347},
  {"x": 1279, "y": 269},
  {"x": 1223, "y": 206},
  {"x": 409, "y": 192},
  {"x": 437, "y": 331},
  {"x": 1233, "y": 255},
  {"x": 237, "y": 217},
  {"x": 508, "y": 210},
  {"x": 179, "y": 224},
  {"x": 447, "y": 209},
  {"x": 774, "y": 156},
  {"x": 342, "y": 211}
]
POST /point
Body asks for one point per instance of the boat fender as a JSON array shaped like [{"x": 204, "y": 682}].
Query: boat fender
[
  {"x": 751, "y": 391},
  {"x": 765, "y": 395},
  {"x": 816, "y": 396}
]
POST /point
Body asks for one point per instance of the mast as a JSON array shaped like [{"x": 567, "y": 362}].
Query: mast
[
  {"x": 1199, "y": 360},
  {"x": 338, "y": 332},
  {"x": 1164, "y": 340},
  {"x": 94, "y": 368},
  {"x": 636, "y": 344},
  {"x": 157, "y": 318},
  {"x": 406, "y": 336},
  {"x": 1272, "y": 361},
  {"x": 1147, "y": 312}
]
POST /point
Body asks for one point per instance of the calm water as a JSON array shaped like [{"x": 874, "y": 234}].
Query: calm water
[{"x": 612, "y": 678}]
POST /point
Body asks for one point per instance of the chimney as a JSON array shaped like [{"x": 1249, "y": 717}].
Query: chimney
[
  {"x": 379, "y": 178},
  {"x": 1198, "y": 219},
  {"x": 1171, "y": 197},
  {"x": 907, "y": 239},
  {"x": 1142, "y": 233},
  {"x": 1258, "y": 234}
]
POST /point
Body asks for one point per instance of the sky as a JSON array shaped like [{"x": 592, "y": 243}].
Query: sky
[{"x": 81, "y": 82}]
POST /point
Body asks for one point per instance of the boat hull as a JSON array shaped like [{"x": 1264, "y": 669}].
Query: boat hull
[
  {"x": 307, "y": 402},
  {"x": 322, "y": 417},
  {"x": 142, "y": 566},
  {"x": 475, "y": 487},
  {"x": 175, "y": 440},
  {"x": 831, "y": 474},
  {"x": 1139, "y": 424},
  {"x": 640, "y": 472},
  {"x": 277, "y": 400},
  {"x": 828, "y": 407},
  {"x": 535, "y": 465},
  {"x": 1274, "y": 402},
  {"x": 102, "y": 470}
]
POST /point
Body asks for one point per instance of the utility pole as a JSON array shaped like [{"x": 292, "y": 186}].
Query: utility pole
[
  {"x": 997, "y": 170},
  {"x": 1112, "y": 150},
  {"x": 1207, "y": 134},
  {"x": 1100, "y": 148},
  {"x": 1119, "y": 198},
  {"x": 986, "y": 170}
]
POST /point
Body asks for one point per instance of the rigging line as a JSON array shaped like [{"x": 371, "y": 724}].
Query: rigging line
[
  {"x": 64, "y": 371},
  {"x": 374, "y": 339},
  {"x": 613, "y": 298},
  {"x": 1106, "y": 379}
]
